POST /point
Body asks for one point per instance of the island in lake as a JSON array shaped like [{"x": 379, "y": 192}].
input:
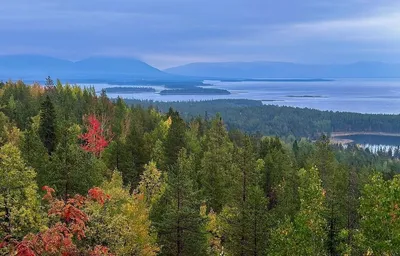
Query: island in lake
[
  {"x": 305, "y": 96},
  {"x": 196, "y": 91},
  {"x": 276, "y": 80},
  {"x": 133, "y": 89}
]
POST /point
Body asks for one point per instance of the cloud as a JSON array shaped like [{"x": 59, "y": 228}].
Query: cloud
[
  {"x": 171, "y": 32},
  {"x": 380, "y": 28}
]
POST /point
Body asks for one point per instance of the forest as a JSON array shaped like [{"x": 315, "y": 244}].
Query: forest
[
  {"x": 252, "y": 116},
  {"x": 81, "y": 174}
]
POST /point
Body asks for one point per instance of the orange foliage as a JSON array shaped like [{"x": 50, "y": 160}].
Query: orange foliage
[{"x": 58, "y": 239}]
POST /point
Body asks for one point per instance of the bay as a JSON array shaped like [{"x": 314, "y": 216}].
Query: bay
[{"x": 379, "y": 96}]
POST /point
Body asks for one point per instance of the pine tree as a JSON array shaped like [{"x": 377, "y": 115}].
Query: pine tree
[
  {"x": 47, "y": 126},
  {"x": 177, "y": 217},
  {"x": 245, "y": 222}
]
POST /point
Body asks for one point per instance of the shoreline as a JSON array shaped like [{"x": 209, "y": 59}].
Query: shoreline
[
  {"x": 339, "y": 134},
  {"x": 335, "y": 140}
]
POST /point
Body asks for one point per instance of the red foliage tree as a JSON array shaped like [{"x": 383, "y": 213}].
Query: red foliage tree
[
  {"x": 95, "y": 139},
  {"x": 59, "y": 238}
]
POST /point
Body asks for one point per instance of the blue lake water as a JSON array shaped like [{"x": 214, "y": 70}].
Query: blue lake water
[
  {"x": 363, "y": 139},
  {"x": 374, "y": 142},
  {"x": 353, "y": 95}
]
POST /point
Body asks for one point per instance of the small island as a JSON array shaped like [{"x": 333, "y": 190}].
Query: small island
[
  {"x": 277, "y": 80},
  {"x": 133, "y": 89},
  {"x": 195, "y": 91},
  {"x": 305, "y": 96}
]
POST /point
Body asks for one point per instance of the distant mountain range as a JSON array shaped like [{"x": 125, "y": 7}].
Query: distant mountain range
[
  {"x": 128, "y": 70},
  {"x": 261, "y": 69},
  {"x": 101, "y": 69}
]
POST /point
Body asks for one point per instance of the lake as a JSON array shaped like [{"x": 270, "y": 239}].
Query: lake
[
  {"x": 373, "y": 142},
  {"x": 351, "y": 95}
]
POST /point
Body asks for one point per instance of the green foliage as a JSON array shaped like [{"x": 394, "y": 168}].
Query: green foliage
[
  {"x": 47, "y": 127},
  {"x": 199, "y": 187},
  {"x": 379, "y": 210},
  {"x": 218, "y": 173},
  {"x": 123, "y": 222},
  {"x": 71, "y": 169},
  {"x": 178, "y": 220},
  {"x": 253, "y": 116},
  {"x": 175, "y": 140},
  {"x": 244, "y": 224},
  {"x": 305, "y": 235},
  {"x": 19, "y": 200}
]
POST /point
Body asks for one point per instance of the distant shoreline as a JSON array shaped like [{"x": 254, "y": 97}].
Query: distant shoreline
[{"x": 335, "y": 140}]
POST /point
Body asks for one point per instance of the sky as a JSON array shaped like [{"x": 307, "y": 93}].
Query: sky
[{"x": 167, "y": 33}]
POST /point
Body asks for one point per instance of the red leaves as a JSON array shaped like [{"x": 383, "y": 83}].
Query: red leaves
[
  {"x": 49, "y": 193},
  {"x": 58, "y": 239},
  {"x": 98, "y": 195},
  {"x": 23, "y": 249},
  {"x": 100, "y": 251},
  {"x": 95, "y": 138}
]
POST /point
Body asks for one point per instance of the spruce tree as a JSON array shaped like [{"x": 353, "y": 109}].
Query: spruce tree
[
  {"x": 305, "y": 233},
  {"x": 47, "y": 125},
  {"x": 218, "y": 173},
  {"x": 245, "y": 222},
  {"x": 175, "y": 140},
  {"x": 177, "y": 217}
]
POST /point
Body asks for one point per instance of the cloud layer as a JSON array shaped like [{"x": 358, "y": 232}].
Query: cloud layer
[{"x": 172, "y": 32}]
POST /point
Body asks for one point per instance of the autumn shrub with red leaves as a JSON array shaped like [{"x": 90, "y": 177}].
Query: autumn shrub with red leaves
[
  {"x": 59, "y": 238},
  {"x": 97, "y": 138}
]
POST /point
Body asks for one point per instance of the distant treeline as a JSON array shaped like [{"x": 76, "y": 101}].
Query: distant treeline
[
  {"x": 254, "y": 117},
  {"x": 131, "y": 89},
  {"x": 195, "y": 91}
]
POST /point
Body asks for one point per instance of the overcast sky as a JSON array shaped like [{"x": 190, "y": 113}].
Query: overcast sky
[{"x": 166, "y": 33}]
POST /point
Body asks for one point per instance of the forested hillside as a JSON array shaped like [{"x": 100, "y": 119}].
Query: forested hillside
[
  {"x": 253, "y": 117},
  {"x": 83, "y": 175}
]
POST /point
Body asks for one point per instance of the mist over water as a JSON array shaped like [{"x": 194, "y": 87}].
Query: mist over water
[{"x": 379, "y": 96}]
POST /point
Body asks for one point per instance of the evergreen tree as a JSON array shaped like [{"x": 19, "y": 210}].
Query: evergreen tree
[
  {"x": 34, "y": 152},
  {"x": 245, "y": 223},
  {"x": 47, "y": 126},
  {"x": 334, "y": 180},
  {"x": 175, "y": 140},
  {"x": 305, "y": 235},
  {"x": 279, "y": 178},
  {"x": 218, "y": 173},
  {"x": 72, "y": 170},
  {"x": 49, "y": 81},
  {"x": 177, "y": 219}
]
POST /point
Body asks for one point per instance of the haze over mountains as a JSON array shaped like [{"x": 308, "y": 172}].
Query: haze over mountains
[
  {"x": 113, "y": 69},
  {"x": 287, "y": 70},
  {"x": 35, "y": 67}
]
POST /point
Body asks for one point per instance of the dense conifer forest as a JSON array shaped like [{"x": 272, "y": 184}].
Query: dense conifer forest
[
  {"x": 252, "y": 116},
  {"x": 81, "y": 174}
]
